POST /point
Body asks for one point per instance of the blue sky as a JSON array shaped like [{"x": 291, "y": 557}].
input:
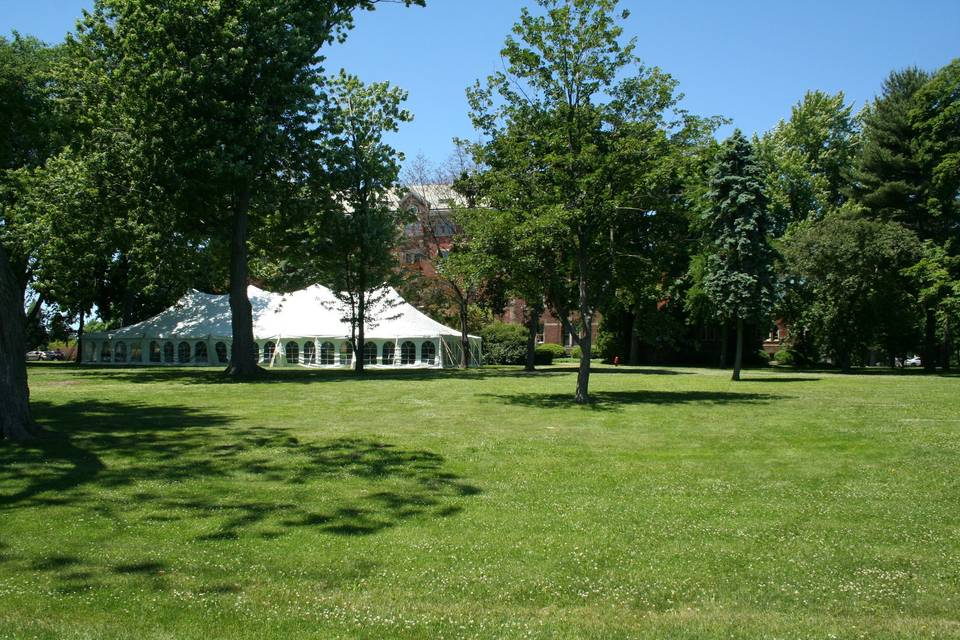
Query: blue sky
[{"x": 749, "y": 60}]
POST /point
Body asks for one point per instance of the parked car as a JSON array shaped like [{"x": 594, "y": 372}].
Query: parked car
[
  {"x": 34, "y": 355},
  {"x": 56, "y": 354},
  {"x": 913, "y": 361}
]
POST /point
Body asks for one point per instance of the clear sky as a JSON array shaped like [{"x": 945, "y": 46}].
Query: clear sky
[{"x": 749, "y": 60}]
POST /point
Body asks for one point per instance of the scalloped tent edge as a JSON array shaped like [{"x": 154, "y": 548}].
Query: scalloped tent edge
[{"x": 304, "y": 328}]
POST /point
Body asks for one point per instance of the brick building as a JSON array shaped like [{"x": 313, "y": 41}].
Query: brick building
[{"x": 432, "y": 234}]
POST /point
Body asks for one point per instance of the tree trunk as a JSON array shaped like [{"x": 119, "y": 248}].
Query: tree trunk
[
  {"x": 533, "y": 323},
  {"x": 738, "y": 357},
  {"x": 586, "y": 317},
  {"x": 723, "y": 345},
  {"x": 583, "y": 374},
  {"x": 464, "y": 336},
  {"x": 360, "y": 349},
  {"x": 243, "y": 358},
  {"x": 78, "y": 356},
  {"x": 15, "y": 421},
  {"x": 930, "y": 341},
  {"x": 635, "y": 338},
  {"x": 947, "y": 343}
]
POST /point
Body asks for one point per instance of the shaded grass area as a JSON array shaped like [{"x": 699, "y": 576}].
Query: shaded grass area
[{"x": 170, "y": 503}]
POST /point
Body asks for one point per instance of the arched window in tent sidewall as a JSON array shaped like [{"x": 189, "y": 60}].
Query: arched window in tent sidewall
[
  {"x": 120, "y": 352},
  {"x": 408, "y": 353},
  {"x": 309, "y": 352},
  {"x": 106, "y": 354},
  {"x": 346, "y": 354},
  {"x": 428, "y": 352},
  {"x": 370, "y": 353},
  {"x": 292, "y": 351},
  {"x": 154, "y": 351},
  {"x": 326, "y": 353},
  {"x": 136, "y": 354},
  {"x": 183, "y": 353},
  {"x": 168, "y": 352},
  {"x": 268, "y": 351},
  {"x": 388, "y": 349},
  {"x": 221, "y": 349},
  {"x": 200, "y": 352}
]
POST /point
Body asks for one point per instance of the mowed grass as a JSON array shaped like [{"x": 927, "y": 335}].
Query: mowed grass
[{"x": 166, "y": 503}]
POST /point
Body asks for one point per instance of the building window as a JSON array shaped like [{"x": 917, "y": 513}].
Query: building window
[
  {"x": 183, "y": 352},
  {"x": 428, "y": 352},
  {"x": 154, "y": 352},
  {"x": 221, "y": 351},
  {"x": 408, "y": 353},
  {"x": 200, "y": 352},
  {"x": 105, "y": 352},
  {"x": 326, "y": 353},
  {"x": 136, "y": 354},
  {"x": 387, "y": 353},
  {"x": 292, "y": 351},
  {"x": 268, "y": 350},
  {"x": 120, "y": 352},
  {"x": 309, "y": 353},
  {"x": 168, "y": 352},
  {"x": 370, "y": 353},
  {"x": 346, "y": 354}
]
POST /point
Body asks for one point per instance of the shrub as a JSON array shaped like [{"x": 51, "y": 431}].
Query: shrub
[
  {"x": 575, "y": 352},
  {"x": 556, "y": 350},
  {"x": 544, "y": 354},
  {"x": 787, "y": 358},
  {"x": 504, "y": 343}
]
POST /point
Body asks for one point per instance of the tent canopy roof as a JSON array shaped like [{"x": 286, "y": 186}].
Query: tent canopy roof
[{"x": 313, "y": 312}]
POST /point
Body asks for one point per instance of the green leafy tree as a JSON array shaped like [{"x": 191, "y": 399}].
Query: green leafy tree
[
  {"x": 575, "y": 88},
  {"x": 858, "y": 293},
  {"x": 218, "y": 102},
  {"x": 936, "y": 121},
  {"x": 808, "y": 159},
  {"x": 361, "y": 226},
  {"x": 29, "y": 133},
  {"x": 739, "y": 276}
]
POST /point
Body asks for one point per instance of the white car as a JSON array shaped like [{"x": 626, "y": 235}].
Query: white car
[
  {"x": 913, "y": 361},
  {"x": 34, "y": 355}
]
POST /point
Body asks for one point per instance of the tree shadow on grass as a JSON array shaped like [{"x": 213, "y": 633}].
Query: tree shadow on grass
[
  {"x": 617, "y": 400},
  {"x": 770, "y": 380},
  {"x": 215, "y": 375},
  {"x": 214, "y": 481}
]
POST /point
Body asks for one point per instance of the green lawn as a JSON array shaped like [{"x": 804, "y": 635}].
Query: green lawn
[{"x": 169, "y": 504}]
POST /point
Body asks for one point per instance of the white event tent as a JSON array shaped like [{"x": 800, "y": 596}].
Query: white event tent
[{"x": 304, "y": 328}]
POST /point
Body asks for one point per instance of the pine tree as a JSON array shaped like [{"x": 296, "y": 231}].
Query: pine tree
[
  {"x": 889, "y": 178},
  {"x": 739, "y": 278}
]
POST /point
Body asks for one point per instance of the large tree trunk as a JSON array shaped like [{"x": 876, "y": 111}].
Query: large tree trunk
[
  {"x": 738, "y": 357},
  {"x": 243, "y": 358},
  {"x": 947, "y": 343},
  {"x": 724, "y": 339},
  {"x": 15, "y": 421},
  {"x": 464, "y": 335},
  {"x": 930, "y": 341},
  {"x": 533, "y": 323}
]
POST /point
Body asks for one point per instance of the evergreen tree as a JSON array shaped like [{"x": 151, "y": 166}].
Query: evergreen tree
[
  {"x": 888, "y": 177},
  {"x": 739, "y": 270}
]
